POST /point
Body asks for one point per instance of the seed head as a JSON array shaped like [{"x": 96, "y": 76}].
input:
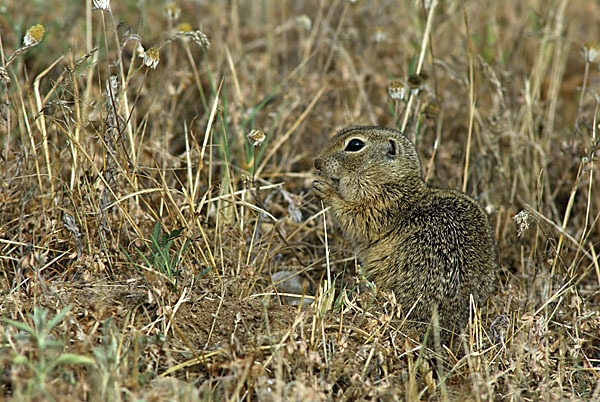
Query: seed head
[
  {"x": 184, "y": 31},
  {"x": 304, "y": 21},
  {"x": 34, "y": 35},
  {"x": 522, "y": 220},
  {"x": 431, "y": 109},
  {"x": 173, "y": 10},
  {"x": 151, "y": 57},
  {"x": 256, "y": 138},
  {"x": 200, "y": 38},
  {"x": 4, "y": 76},
  {"x": 397, "y": 89},
  {"x": 379, "y": 35},
  {"x": 590, "y": 51},
  {"x": 428, "y": 3},
  {"x": 416, "y": 81},
  {"x": 101, "y": 5}
]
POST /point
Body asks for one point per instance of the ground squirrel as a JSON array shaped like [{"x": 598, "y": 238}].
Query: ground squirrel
[{"x": 432, "y": 247}]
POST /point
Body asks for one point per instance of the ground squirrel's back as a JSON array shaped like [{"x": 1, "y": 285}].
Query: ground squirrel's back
[{"x": 433, "y": 247}]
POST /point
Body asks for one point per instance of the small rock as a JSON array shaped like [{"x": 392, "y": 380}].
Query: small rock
[{"x": 291, "y": 282}]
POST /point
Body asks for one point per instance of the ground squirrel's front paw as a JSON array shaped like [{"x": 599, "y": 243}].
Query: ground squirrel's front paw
[{"x": 322, "y": 189}]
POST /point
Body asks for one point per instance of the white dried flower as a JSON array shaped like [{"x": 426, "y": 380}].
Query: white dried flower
[
  {"x": 256, "y": 138},
  {"x": 151, "y": 57},
  {"x": 590, "y": 52},
  {"x": 429, "y": 3},
  {"x": 173, "y": 10},
  {"x": 101, "y": 5},
  {"x": 34, "y": 35},
  {"x": 379, "y": 35},
  {"x": 304, "y": 21},
  {"x": 397, "y": 89},
  {"x": 522, "y": 220}
]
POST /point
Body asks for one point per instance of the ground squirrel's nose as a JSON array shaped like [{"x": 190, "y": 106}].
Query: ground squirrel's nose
[{"x": 318, "y": 164}]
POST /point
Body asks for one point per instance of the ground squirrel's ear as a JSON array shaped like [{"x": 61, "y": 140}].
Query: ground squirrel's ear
[{"x": 393, "y": 149}]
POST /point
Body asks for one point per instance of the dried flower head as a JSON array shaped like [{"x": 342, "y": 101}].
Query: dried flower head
[
  {"x": 184, "y": 27},
  {"x": 256, "y": 138},
  {"x": 431, "y": 109},
  {"x": 428, "y": 3},
  {"x": 397, "y": 89},
  {"x": 416, "y": 81},
  {"x": 151, "y": 57},
  {"x": 379, "y": 35},
  {"x": 173, "y": 10},
  {"x": 590, "y": 51},
  {"x": 522, "y": 220},
  {"x": 34, "y": 35},
  {"x": 197, "y": 36},
  {"x": 304, "y": 21},
  {"x": 200, "y": 38},
  {"x": 101, "y": 5}
]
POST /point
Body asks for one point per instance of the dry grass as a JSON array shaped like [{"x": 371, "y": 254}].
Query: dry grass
[{"x": 139, "y": 228}]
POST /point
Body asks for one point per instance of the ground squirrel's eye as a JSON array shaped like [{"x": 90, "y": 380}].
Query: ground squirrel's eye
[{"x": 354, "y": 145}]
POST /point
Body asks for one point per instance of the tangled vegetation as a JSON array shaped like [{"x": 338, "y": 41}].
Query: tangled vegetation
[{"x": 157, "y": 219}]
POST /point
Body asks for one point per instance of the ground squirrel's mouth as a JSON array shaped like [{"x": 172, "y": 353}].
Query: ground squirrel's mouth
[
  {"x": 332, "y": 180},
  {"x": 335, "y": 183}
]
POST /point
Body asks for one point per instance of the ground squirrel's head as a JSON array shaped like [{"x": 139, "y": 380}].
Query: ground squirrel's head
[{"x": 361, "y": 162}]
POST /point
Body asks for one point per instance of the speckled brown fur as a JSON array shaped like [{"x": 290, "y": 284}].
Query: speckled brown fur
[{"x": 431, "y": 246}]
